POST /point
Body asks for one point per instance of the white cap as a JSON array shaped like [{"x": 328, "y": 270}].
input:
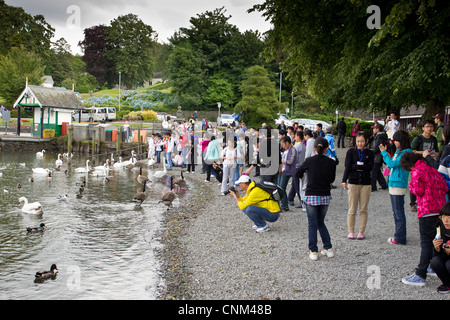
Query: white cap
[{"x": 243, "y": 179}]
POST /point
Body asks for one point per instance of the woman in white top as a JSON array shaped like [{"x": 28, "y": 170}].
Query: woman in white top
[{"x": 229, "y": 156}]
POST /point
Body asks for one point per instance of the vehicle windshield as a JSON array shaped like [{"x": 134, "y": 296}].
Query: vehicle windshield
[
  {"x": 227, "y": 116},
  {"x": 112, "y": 110}
]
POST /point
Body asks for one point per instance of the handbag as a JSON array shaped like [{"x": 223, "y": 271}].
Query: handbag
[{"x": 386, "y": 171}]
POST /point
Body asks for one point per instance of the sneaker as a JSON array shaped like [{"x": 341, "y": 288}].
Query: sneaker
[
  {"x": 291, "y": 203},
  {"x": 299, "y": 206},
  {"x": 351, "y": 236},
  {"x": 254, "y": 227},
  {"x": 430, "y": 272},
  {"x": 443, "y": 289},
  {"x": 222, "y": 194},
  {"x": 207, "y": 181},
  {"x": 414, "y": 280},
  {"x": 313, "y": 255},
  {"x": 360, "y": 236},
  {"x": 263, "y": 229},
  {"x": 329, "y": 253},
  {"x": 391, "y": 240}
]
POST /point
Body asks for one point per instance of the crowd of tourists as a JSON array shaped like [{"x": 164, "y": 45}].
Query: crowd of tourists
[{"x": 308, "y": 159}]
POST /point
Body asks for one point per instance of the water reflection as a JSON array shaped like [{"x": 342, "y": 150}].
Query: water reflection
[{"x": 102, "y": 243}]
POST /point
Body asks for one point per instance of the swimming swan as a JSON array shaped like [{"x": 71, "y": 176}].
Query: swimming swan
[
  {"x": 83, "y": 169},
  {"x": 31, "y": 208},
  {"x": 40, "y": 154},
  {"x": 58, "y": 162}
]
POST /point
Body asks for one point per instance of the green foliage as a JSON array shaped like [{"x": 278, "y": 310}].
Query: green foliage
[
  {"x": 219, "y": 89},
  {"x": 327, "y": 47},
  {"x": 259, "y": 104},
  {"x": 15, "y": 67},
  {"x": 130, "y": 41}
]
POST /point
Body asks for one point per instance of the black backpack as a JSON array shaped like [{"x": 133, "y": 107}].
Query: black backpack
[{"x": 275, "y": 191}]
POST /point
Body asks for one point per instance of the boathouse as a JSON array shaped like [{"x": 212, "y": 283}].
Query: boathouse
[{"x": 52, "y": 109}]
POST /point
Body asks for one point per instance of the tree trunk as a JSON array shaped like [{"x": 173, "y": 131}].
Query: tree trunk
[{"x": 432, "y": 108}]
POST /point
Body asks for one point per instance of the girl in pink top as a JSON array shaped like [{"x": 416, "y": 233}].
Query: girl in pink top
[{"x": 430, "y": 188}]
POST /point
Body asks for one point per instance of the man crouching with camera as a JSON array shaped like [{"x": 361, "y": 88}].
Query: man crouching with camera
[{"x": 256, "y": 204}]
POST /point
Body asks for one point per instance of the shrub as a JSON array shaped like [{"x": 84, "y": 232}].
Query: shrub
[{"x": 147, "y": 115}]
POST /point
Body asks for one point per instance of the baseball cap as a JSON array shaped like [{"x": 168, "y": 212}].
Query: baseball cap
[
  {"x": 439, "y": 116},
  {"x": 243, "y": 179}
]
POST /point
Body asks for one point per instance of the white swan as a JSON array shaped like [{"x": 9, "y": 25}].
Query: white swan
[
  {"x": 31, "y": 208},
  {"x": 83, "y": 169},
  {"x": 41, "y": 171},
  {"x": 151, "y": 162},
  {"x": 40, "y": 154},
  {"x": 58, "y": 162},
  {"x": 103, "y": 166},
  {"x": 161, "y": 174},
  {"x": 118, "y": 165},
  {"x": 132, "y": 160},
  {"x": 101, "y": 171}
]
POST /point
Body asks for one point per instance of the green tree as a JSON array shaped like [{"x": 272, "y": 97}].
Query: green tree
[
  {"x": 15, "y": 67},
  {"x": 131, "y": 41},
  {"x": 219, "y": 89},
  {"x": 327, "y": 46},
  {"x": 259, "y": 104},
  {"x": 19, "y": 28},
  {"x": 185, "y": 65}
]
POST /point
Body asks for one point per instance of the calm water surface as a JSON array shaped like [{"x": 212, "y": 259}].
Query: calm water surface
[{"x": 102, "y": 244}]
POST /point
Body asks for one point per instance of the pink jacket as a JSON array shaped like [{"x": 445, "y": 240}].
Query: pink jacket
[{"x": 429, "y": 187}]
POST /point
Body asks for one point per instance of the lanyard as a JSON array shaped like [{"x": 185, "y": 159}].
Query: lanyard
[{"x": 361, "y": 156}]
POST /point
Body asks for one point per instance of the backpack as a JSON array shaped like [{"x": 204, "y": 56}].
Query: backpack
[{"x": 275, "y": 191}]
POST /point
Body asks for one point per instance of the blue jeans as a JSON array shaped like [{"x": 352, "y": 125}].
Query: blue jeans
[
  {"x": 427, "y": 230},
  {"x": 283, "y": 181},
  {"x": 398, "y": 206},
  {"x": 158, "y": 156},
  {"x": 316, "y": 222},
  {"x": 168, "y": 159},
  {"x": 260, "y": 215},
  {"x": 341, "y": 139}
]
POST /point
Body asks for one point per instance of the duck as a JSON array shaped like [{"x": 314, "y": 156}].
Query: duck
[
  {"x": 19, "y": 186},
  {"x": 141, "y": 179},
  {"x": 31, "y": 208},
  {"x": 83, "y": 169},
  {"x": 58, "y": 163},
  {"x": 140, "y": 196},
  {"x": 161, "y": 174},
  {"x": 41, "y": 171},
  {"x": 40, "y": 154},
  {"x": 41, "y": 228},
  {"x": 169, "y": 196},
  {"x": 46, "y": 274},
  {"x": 181, "y": 182},
  {"x": 79, "y": 195}
]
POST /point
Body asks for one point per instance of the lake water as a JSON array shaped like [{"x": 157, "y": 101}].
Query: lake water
[{"x": 104, "y": 246}]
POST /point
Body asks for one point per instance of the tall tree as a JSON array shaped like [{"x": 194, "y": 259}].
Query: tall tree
[
  {"x": 20, "y": 28},
  {"x": 258, "y": 104},
  {"x": 94, "y": 46},
  {"x": 15, "y": 67},
  {"x": 131, "y": 41},
  {"x": 327, "y": 46}
]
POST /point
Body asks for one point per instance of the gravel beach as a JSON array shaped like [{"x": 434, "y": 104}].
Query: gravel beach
[{"x": 210, "y": 252}]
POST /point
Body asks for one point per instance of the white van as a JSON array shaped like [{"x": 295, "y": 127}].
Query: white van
[{"x": 111, "y": 112}]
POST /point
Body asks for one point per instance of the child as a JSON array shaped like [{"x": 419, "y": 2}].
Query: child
[
  {"x": 397, "y": 183},
  {"x": 321, "y": 174},
  {"x": 151, "y": 147},
  {"x": 229, "y": 156},
  {"x": 158, "y": 147},
  {"x": 430, "y": 188},
  {"x": 358, "y": 166},
  {"x": 190, "y": 155},
  {"x": 441, "y": 261}
]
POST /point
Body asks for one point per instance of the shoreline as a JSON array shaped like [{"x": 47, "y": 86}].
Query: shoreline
[{"x": 210, "y": 252}]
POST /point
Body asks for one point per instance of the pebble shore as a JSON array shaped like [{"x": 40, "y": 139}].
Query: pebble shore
[{"x": 210, "y": 252}]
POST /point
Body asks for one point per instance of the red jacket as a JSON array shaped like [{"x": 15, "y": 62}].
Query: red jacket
[{"x": 430, "y": 188}]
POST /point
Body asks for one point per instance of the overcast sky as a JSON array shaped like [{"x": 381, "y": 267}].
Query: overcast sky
[{"x": 70, "y": 17}]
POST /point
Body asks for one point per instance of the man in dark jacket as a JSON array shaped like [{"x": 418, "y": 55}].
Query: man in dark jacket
[
  {"x": 380, "y": 137},
  {"x": 341, "y": 129}
]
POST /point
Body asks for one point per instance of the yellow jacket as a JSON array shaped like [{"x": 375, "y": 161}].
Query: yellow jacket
[{"x": 259, "y": 198}]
